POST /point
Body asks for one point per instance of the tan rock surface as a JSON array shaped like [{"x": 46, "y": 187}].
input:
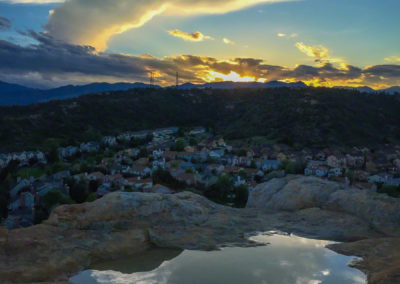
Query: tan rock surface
[{"x": 76, "y": 236}]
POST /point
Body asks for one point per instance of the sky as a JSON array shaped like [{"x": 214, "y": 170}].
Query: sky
[{"x": 49, "y": 43}]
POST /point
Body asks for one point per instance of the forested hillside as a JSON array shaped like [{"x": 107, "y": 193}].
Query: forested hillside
[{"x": 307, "y": 117}]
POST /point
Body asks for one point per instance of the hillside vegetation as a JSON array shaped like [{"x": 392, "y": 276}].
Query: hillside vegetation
[{"x": 308, "y": 117}]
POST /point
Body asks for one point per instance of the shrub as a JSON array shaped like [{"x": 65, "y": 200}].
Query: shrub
[
  {"x": 391, "y": 190},
  {"x": 242, "y": 194},
  {"x": 54, "y": 198},
  {"x": 91, "y": 197}
]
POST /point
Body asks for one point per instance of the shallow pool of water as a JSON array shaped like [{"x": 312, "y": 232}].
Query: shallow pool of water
[{"x": 286, "y": 259}]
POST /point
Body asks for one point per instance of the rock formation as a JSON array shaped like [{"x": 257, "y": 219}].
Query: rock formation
[
  {"x": 76, "y": 236},
  {"x": 295, "y": 193}
]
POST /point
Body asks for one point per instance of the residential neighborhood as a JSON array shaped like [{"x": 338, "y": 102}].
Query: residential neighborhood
[{"x": 173, "y": 159}]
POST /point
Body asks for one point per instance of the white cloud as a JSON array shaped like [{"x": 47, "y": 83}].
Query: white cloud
[
  {"x": 94, "y": 22},
  {"x": 293, "y": 35},
  {"x": 228, "y": 41}
]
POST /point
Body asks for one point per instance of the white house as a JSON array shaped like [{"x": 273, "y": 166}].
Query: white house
[
  {"x": 68, "y": 151},
  {"x": 335, "y": 172},
  {"x": 89, "y": 147},
  {"x": 109, "y": 141}
]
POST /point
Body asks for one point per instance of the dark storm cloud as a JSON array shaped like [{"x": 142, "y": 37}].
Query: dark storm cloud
[
  {"x": 5, "y": 23},
  {"x": 389, "y": 71},
  {"x": 50, "y": 59}
]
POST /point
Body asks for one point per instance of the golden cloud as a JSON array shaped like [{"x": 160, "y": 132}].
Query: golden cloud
[
  {"x": 227, "y": 41},
  {"x": 318, "y": 52},
  {"x": 63, "y": 62},
  {"x": 393, "y": 59},
  {"x": 195, "y": 36},
  {"x": 94, "y": 22}
]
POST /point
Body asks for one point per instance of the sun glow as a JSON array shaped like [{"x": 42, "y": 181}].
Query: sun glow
[{"x": 213, "y": 76}]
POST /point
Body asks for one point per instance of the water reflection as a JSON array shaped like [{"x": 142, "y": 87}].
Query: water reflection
[{"x": 287, "y": 259}]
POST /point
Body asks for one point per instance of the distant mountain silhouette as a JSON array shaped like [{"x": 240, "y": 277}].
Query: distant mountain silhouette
[
  {"x": 13, "y": 94},
  {"x": 234, "y": 85},
  {"x": 392, "y": 90}
]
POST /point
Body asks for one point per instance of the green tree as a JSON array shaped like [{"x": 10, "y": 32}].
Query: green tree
[
  {"x": 391, "y": 190},
  {"x": 91, "y": 197},
  {"x": 54, "y": 198},
  {"x": 79, "y": 191},
  {"x": 223, "y": 187},
  {"x": 242, "y": 194},
  {"x": 180, "y": 145}
]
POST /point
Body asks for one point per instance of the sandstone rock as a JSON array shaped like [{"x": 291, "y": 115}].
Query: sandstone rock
[
  {"x": 298, "y": 192},
  {"x": 292, "y": 193},
  {"x": 183, "y": 208},
  {"x": 76, "y": 236},
  {"x": 380, "y": 258}
]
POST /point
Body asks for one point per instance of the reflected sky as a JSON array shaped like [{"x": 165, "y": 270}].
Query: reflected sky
[{"x": 285, "y": 259}]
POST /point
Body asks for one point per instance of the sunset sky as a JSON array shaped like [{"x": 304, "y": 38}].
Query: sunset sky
[{"x": 48, "y": 43}]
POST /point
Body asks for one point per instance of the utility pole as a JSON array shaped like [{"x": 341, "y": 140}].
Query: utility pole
[
  {"x": 177, "y": 79},
  {"x": 151, "y": 79}
]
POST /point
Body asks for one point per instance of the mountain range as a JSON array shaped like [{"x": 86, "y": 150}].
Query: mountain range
[{"x": 14, "y": 94}]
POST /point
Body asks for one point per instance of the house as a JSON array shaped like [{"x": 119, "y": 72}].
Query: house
[
  {"x": 157, "y": 154},
  {"x": 380, "y": 178},
  {"x": 115, "y": 179},
  {"x": 109, "y": 141},
  {"x": 336, "y": 161},
  {"x": 61, "y": 175},
  {"x": 239, "y": 181},
  {"x": 251, "y": 173},
  {"x": 97, "y": 176},
  {"x": 170, "y": 155},
  {"x": 165, "y": 131},
  {"x": 245, "y": 161},
  {"x": 20, "y": 218},
  {"x": 269, "y": 165},
  {"x": 354, "y": 161},
  {"x": 393, "y": 181},
  {"x": 316, "y": 168},
  {"x": 231, "y": 170},
  {"x": 231, "y": 160},
  {"x": 103, "y": 190},
  {"x": 185, "y": 156},
  {"x": 89, "y": 147},
  {"x": 321, "y": 171},
  {"x": 68, "y": 152},
  {"x": 174, "y": 172},
  {"x": 142, "y": 161},
  {"x": 202, "y": 155},
  {"x": 216, "y": 153},
  {"x": 335, "y": 172},
  {"x": 187, "y": 178},
  {"x": 187, "y": 166},
  {"x": 18, "y": 187},
  {"x": 215, "y": 168},
  {"x": 139, "y": 183},
  {"x": 159, "y": 164},
  {"x": 25, "y": 200},
  {"x": 197, "y": 131},
  {"x": 139, "y": 170}
]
